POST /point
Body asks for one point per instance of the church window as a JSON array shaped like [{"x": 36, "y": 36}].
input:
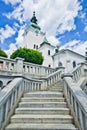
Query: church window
[
  {"x": 37, "y": 47},
  {"x": 34, "y": 46},
  {"x": 56, "y": 50},
  {"x": 36, "y": 32},
  {"x": 74, "y": 64},
  {"x": 48, "y": 52},
  {"x": 49, "y": 65},
  {"x": 59, "y": 64}
]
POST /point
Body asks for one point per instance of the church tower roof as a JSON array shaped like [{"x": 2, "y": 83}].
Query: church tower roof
[
  {"x": 45, "y": 40},
  {"x": 34, "y": 19},
  {"x": 34, "y": 22}
]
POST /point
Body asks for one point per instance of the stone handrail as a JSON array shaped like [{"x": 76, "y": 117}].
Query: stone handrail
[
  {"x": 19, "y": 66},
  {"x": 53, "y": 78},
  {"x": 10, "y": 94},
  {"x": 37, "y": 69},
  {"x": 78, "y": 100},
  {"x": 80, "y": 71}
]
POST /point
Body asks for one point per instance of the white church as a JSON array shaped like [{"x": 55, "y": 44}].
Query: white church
[{"x": 34, "y": 38}]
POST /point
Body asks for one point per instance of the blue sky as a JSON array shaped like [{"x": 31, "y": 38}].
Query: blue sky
[{"x": 64, "y": 21}]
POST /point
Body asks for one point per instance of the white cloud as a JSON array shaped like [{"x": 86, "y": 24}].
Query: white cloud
[
  {"x": 71, "y": 44},
  {"x": 85, "y": 29},
  {"x": 16, "y": 14},
  {"x": 57, "y": 14},
  {"x": 77, "y": 46},
  {"x": 19, "y": 39},
  {"x": 12, "y": 48},
  {"x": 53, "y": 16},
  {"x": 6, "y": 33},
  {"x": 13, "y": 2},
  {"x": 54, "y": 41},
  {"x": 81, "y": 48}
]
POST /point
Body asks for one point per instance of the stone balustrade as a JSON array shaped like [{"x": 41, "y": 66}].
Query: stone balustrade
[
  {"x": 37, "y": 69},
  {"x": 78, "y": 100},
  {"x": 53, "y": 78},
  {"x": 80, "y": 71},
  {"x": 19, "y": 66},
  {"x": 10, "y": 94},
  {"x": 7, "y": 64}
]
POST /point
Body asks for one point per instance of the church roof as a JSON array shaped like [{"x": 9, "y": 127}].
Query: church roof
[
  {"x": 34, "y": 22},
  {"x": 45, "y": 41},
  {"x": 68, "y": 50},
  {"x": 35, "y": 25},
  {"x": 34, "y": 19}
]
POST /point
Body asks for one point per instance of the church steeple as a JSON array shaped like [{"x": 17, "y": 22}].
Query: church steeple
[{"x": 34, "y": 19}]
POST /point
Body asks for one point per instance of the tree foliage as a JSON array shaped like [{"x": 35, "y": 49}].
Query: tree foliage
[
  {"x": 2, "y": 53},
  {"x": 29, "y": 55}
]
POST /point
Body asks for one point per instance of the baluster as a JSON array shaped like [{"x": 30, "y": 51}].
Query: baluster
[
  {"x": 39, "y": 86},
  {"x": 4, "y": 65},
  {"x": 7, "y": 108},
  {"x": 81, "y": 118},
  {"x": 76, "y": 107},
  {"x": 16, "y": 94},
  {"x": 71, "y": 99},
  {"x": 12, "y": 99},
  {"x": 1, "y": 115}
]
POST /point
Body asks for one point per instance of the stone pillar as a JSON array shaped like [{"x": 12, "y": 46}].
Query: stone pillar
[
  {"x": 19, "y": 65},
  {"x": 83, "y": 69},
  {"x": 4, "y": 65},
  {"x": 66, "y": 75}
]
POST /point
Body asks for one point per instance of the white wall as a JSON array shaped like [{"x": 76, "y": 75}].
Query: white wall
[
  {"x": 47, "y": 58},
  {"x": 67, "y": 58},
  {"x": 31, "y": 38}
]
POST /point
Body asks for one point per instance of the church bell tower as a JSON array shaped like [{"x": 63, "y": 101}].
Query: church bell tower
[{"x": 33, "y": 36}]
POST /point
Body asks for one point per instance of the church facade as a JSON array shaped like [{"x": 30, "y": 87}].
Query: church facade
[{"x": 34, "y": 38}]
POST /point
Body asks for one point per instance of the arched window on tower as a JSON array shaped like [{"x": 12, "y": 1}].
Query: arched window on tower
[
  {"x": 48, "y": 52},
  {"x": 36, "y": 32},
  {"x": 49, "y": 65},
  {"x": 34, "y": 46},
  {"x": 74, "y": 64},
  {"x": 59, "y": 64}
]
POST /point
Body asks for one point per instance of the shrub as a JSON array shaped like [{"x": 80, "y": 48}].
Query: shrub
[
  {"x": 29, "y": 55},
  {"x": 2, "y": 53}
]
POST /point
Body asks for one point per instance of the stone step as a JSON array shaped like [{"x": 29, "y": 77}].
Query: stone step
[
  {"x": 45, "y": 111},
  {"x": 58, "y": 85},
  {"x": 42, "y": 99},
  {"x": 55, "y": 86},
  {"x": 43, "y": 104},
  {"x": 44, "y": 94},
  {"x": 56, "y": 89},
  {"x": 55, "y": 119},
  {"x": 20, "y": 126}
]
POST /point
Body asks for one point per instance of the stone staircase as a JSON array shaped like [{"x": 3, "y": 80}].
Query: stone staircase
[{"x": 42, "y": 110}]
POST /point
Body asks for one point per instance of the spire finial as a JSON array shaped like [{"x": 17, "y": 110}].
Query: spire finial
[
  {"x": 33, "y": 19},
  {"x": 33, "y": 13}
]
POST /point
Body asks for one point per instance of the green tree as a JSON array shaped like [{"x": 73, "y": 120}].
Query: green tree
[
  {"x": 2, "y": 53},
  {"x": 29, "y": 55}
]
